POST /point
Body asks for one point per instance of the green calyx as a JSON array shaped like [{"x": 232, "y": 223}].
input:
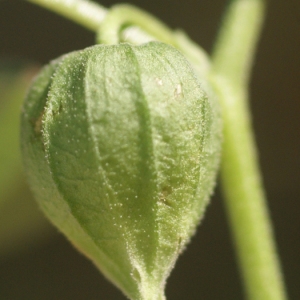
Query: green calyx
[{"x": 121, "y": 146}]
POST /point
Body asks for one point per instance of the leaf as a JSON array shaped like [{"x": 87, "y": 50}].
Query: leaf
[{"x": 21, "y": 223}]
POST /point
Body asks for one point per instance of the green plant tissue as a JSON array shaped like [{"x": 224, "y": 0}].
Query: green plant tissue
[{"x": 121, "y": 146}]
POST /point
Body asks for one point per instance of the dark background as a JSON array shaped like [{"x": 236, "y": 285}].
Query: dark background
[{"x": 52, "y": 269}]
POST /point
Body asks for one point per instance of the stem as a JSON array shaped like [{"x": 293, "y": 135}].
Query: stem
[
  {"x": 123, "y": 15},
  {"x": 83, "y": 12},
  {"x": 241, "y": 182}
]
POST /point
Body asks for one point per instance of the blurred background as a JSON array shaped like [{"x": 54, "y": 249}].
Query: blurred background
[{"x": 37, "y": 263}]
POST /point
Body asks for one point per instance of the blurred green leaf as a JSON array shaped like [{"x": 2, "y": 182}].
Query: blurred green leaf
[
  {"x": 14, "y": 81},
  {"x": 21, "y": 222}
]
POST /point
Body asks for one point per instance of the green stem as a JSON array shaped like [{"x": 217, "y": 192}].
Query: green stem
[
  {"x": 241, "y": 181},
  {"x": 83, "y": 12},
  {"x": 122, "y": 15}
]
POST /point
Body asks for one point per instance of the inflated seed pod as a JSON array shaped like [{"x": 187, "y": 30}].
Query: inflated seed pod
[{"x": 121, "y": 147}]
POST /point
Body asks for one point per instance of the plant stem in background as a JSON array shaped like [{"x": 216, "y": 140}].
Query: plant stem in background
[
  {"x": 85, "y": 13},
  {"x": 241, "y": 182}
]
